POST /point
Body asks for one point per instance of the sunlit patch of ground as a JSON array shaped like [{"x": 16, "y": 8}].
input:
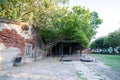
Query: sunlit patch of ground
[{"x": 52, "y": 68}]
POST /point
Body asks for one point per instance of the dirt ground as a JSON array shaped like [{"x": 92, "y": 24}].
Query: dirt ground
[
  {"x": 52, "y": 68},
  {"x": 46, "y": 69}
]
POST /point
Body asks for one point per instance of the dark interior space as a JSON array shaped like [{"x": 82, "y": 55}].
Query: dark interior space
[{"x": 64, "y": 48}]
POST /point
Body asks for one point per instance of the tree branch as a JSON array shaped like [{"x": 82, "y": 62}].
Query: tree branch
[
  {"x": 27, "y": 13},
  {"x": 52, "y": 44}
]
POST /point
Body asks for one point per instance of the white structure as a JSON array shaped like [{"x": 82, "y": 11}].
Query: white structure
[{"x": 110, "y": 49}]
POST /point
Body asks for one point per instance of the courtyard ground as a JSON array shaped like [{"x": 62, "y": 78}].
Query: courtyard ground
[{"x": 52, "y": 68}]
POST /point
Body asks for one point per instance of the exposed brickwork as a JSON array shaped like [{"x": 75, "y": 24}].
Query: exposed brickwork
[{"x": 11, "y": 39}]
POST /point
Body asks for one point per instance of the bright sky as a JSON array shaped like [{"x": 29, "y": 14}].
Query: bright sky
[{"x": 108, "y": 10}]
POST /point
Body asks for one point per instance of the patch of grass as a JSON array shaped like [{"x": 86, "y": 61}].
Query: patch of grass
[
  {"x": 80, "y": 75},
  {"x": 97, "y": 74},
  {"x": 110, "y": 60},
  {"x": 83, "y": 78},
  {"x": 101, "y": 79}
]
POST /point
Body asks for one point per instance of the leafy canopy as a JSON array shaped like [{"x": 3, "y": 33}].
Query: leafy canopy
[
  {"x": 53, "y": 22},
  {"x": 74, "y": 26},
  {"x": 112, "y": 39}
]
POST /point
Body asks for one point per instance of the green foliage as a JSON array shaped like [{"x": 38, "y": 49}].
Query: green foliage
[
  {"x": 54, "y": 23},
  {"x": 98, "y": 43},
  {"x": 69, "y": 27},
  {"x": 95, "y": 20},
  {"x": 113, "y": 40},
  {"x": 88, "y": 20},
  {"x": 25, "y": 10},
  {"x": 9, "y": 9}
]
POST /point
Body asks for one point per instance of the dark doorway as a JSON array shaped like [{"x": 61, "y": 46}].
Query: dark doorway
[{"x": 66, "y": 49}]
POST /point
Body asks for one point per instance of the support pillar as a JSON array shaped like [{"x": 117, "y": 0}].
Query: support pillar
[
  {"x": 62, "y": 49},
  {"x": 59, "y": 50},
  {"x": 70, "y": 50}
]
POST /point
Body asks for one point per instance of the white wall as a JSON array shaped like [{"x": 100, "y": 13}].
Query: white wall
[{"x": 7, "y": 56}]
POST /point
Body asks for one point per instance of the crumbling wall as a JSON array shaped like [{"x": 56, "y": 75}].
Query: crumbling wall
[
  {"x": 13, "y": 39},
  {"x": 7, "y": 56},
  {"x": 10, "y": 38}
]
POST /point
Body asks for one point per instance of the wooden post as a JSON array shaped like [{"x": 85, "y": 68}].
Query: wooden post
[
  {"x": 51, "y": 51},
  {"x": 62, "y": 49},
  {"x": 59, "y": 49},
  {"x": 56, "y": 50},
  {"x": 70, "y": 50}
]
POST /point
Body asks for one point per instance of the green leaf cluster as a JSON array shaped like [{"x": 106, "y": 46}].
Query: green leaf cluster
[
  {"x": 112, "y": 39},
  {"x": 53, "y": 22}
]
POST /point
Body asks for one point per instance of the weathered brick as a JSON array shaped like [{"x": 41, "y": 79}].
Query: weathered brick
[{"x": 11, "y": 39}]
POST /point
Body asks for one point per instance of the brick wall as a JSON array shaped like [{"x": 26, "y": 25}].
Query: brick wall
[{"x": 10, "y": 38}]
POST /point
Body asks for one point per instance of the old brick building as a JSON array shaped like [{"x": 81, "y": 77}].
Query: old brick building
[{"x": 17, "y": 40}]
